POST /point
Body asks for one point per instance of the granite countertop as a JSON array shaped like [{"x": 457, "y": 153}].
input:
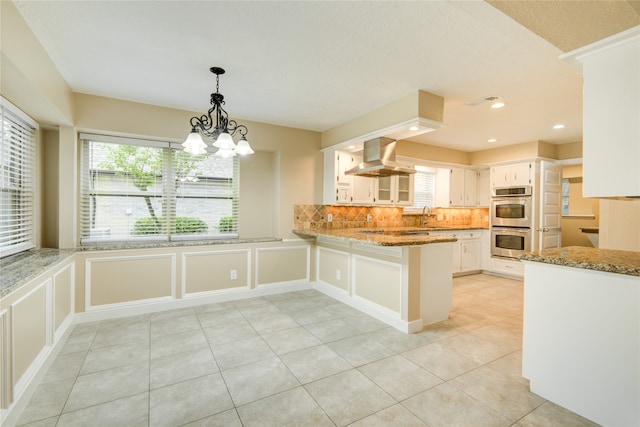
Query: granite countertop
[
  {"x": 175, "y": 244},
  {"x": 609, "y": 260},
  {"x": 18, "y": 269},
  {"x": 388, "y": 236}
]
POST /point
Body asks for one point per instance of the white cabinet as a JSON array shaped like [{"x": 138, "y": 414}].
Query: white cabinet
[
  {"x": 337, "y": 186},
  {"x": 611, "y": 107},
  {"x": 467, "y": 251},
  {"x": 483, "y": 191},
  {"x": 470, "y": 188},
  {"x": 344, "y": 162},
  {"x": 363, "y": 190},
  {"x": 456, "y": 187},
  {"x": 340, "y": 188},
  {"x": 511, "y": 175},
  {"x": 394, "y": 190}
]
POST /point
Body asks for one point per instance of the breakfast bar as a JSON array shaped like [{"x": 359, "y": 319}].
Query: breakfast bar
[
  {"x": 581, "y": 331},
  {"x": 401, "y": 276}
]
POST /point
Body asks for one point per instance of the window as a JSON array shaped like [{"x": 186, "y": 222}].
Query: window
[
  {"x": 139, "y": 190},
  {"x": 423, "y": 187},
  {"x": 565, "y": 196},
  {"x": 17, "y": 156}
]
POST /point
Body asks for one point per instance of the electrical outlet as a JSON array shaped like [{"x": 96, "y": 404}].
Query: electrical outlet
[
  {"x": 329, "y": 218},
  {"x": 337, "y": 274},
  {"x": 440, "y": 217},
  {"x": 369, "y": 218},
  {"x": 234, "y": 274}
]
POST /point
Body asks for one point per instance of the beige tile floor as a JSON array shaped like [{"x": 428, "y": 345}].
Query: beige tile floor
[{"x": 299, "y": 359}]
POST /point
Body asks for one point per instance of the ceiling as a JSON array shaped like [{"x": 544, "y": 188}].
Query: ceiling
[{"x": 315, "y": 65}]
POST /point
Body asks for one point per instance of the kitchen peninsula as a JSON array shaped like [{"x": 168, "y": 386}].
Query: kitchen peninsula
[
  {"x": 401, "y": 275},
  {"x": 581, "y": 331}
]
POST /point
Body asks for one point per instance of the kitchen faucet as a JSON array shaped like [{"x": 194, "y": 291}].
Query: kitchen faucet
[{"x": 428, "y": 214}]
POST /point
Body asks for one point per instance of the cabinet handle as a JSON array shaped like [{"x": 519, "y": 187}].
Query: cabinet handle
[
  {"x": 505, "y": 177},
  {"x": 515, "y": 176}
]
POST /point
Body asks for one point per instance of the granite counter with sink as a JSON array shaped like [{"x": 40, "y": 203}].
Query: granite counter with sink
[{"x": 388, "y": 236}]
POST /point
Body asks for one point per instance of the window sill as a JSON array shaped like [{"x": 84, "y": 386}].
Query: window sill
[{"x": 183, "y": 243}]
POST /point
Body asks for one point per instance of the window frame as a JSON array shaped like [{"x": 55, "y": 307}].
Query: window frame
[
  {"x": 27, "y": 177},
  {"x": 168, "y": 195}
]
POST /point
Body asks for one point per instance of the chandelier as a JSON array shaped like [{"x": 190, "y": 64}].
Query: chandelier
[{"x": 216, "y": 125}]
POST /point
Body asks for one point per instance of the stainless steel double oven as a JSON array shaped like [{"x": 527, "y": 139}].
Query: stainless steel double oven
[{"x": 511, "y": 221}]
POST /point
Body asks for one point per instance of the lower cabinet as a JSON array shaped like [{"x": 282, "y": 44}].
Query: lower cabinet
[
  {"x": 466, "y": 251},
  {"x": 508, "y": 267}
]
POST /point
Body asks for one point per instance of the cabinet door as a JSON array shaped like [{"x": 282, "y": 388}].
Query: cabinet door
[
  {"x": 344, "y": 162},
  {"x": 363, "y": 188},
  {"x": 520, "y": 174},
  {"x": 470, "y": 184},
  {"x": 456, "y": 187},
  {"x": 384, "y": 190},
  {"x": 483, "y": 189},
  {"x": 404, "y": 187},
  {"x": 470, "y": 256},
  {"x": 343, "y": 194},
  {"x": 500, "y": 176}
]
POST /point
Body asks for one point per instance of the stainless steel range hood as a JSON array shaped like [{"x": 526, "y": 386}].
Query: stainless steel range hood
[{"x": 379, "y": 159}]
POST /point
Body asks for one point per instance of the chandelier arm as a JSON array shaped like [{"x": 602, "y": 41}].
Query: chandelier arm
[{"x": 234, "y": 128}]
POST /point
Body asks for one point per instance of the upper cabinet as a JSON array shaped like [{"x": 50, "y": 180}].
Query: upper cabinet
[
  {"x": 340, "y": 188},
  {"x": 611, "y": 108},
  {"x": 511, "y": 175},
  {"x": 394, "y": 190},
  {"x": 484, "y": 189},
  {"x": 456, "y": 187}
]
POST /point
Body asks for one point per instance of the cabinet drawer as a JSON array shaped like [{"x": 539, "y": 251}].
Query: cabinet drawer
[{"x": 508, "y": 267}]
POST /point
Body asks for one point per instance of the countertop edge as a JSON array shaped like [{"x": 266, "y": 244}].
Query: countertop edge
[
  {"x": 605, "y": 260},
  {"x": 373, "y": 239}
]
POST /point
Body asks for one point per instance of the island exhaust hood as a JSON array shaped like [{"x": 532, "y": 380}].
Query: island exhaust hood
[{"x": 379, "y": 159}]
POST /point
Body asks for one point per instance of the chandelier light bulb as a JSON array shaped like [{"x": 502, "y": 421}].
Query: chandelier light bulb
[
  {"x": 194, "y": 144},
  {"x": 224, "y": 142},
  {"x": 243, "y": 147}
]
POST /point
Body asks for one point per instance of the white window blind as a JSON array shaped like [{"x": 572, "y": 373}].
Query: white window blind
[
  {"x": 423, "y": 187},
  {"x": 17, "y": 156},
  {"x": 137, "y": 190}
]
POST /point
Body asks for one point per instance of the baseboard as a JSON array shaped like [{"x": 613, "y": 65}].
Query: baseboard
[{"x": 114, "y": 312}]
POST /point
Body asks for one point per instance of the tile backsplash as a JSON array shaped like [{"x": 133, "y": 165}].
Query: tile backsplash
[{"x": 317, "y": 217}]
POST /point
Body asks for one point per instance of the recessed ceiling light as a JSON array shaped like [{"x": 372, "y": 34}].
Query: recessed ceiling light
[
  {"x": 491, "y": 140},
  {"x": 351, "y": 147},
  {"x": 498, "y": 104},
  {"x": 414, "y": 128},
  {"x": 559, "y": 126}
]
